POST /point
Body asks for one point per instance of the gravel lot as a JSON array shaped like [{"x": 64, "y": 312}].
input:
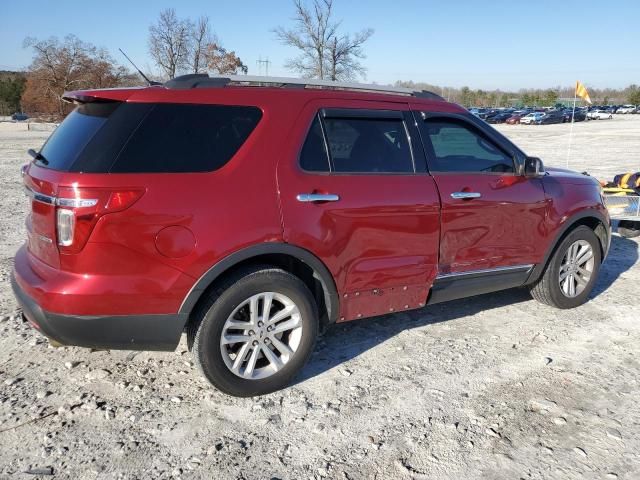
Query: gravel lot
[{"x": 496, "y": 386}]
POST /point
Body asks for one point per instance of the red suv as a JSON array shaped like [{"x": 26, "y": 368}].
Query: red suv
[{"x": 254, "y": 212}]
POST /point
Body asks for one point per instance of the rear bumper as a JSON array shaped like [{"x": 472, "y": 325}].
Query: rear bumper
[{"x": 117, "y": 332}]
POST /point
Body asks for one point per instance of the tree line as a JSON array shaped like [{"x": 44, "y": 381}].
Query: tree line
[
  {"x": 548, "y": 97},
  {"x": 184, "y": 45}
]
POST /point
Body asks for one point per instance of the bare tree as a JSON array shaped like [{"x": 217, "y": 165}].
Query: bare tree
[
  {"x": 180, "y": 45},
  {"x": 169, "y": 41},
  {"x": 324, "y": 53},
  {"x": 70, "y": 64},
  {"x": 201, "y": 38},
  {"x": 344, "y": 53}
]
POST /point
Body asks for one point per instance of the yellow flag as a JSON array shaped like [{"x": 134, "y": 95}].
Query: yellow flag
[{"x": 581, "y": 91}]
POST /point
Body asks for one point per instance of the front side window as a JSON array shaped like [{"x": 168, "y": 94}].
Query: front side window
[{"x": 457, "y": 146}]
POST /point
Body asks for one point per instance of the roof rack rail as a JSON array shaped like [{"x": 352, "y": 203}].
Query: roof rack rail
[{"x": 203, "y": 80}]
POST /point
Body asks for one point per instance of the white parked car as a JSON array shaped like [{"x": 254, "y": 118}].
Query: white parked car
[
  {"x": 531, "y": 118},
  {"x": 599, "y": 115},
  {"x": 627, "y": 109}
]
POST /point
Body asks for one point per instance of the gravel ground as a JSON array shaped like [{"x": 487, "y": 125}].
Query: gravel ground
[{"x": 496, "y": 386}]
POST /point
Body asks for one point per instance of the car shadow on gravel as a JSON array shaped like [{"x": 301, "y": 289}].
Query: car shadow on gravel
[
  {"x": 346, "y": 341},
  {"x": 623, "y": 254}
]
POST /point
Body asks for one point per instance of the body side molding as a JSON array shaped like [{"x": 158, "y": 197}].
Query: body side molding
[{"x": 453, "y": 286}]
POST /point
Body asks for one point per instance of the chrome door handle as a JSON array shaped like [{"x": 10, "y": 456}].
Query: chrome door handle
[
  {"x": 317, "y": 197},
  {"x": 465, "y": 195}
]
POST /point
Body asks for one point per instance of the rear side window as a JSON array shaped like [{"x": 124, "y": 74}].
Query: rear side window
[
  {"x": 459, "y": 147},
  {"x": 314, "y": 157},
  {"x": 187, "y": 138},
  {"x": 357, "y": 145},
  {"x": 66, "y": 143},
  {"x": 363, "y": 145},
  {"x": 152, "y": 138}
]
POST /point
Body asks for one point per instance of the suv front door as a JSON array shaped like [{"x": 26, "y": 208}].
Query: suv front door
[
  {"x": 350, "y": 194},
  {"x": 492, "y": 218}
]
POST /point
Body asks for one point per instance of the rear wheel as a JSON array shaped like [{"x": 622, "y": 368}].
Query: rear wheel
[
  {"x": 571, "y": 272},
  {"x": 629, "y": 229},
  {"x": 255, "y": 332}
]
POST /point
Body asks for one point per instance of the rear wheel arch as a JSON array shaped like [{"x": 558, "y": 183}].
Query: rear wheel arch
[
  {"x": 590, "y": 218},
  {"x": 295, "y": 260}
]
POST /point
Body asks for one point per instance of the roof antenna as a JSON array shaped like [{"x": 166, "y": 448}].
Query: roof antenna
[{"x": 139, "y": 71}]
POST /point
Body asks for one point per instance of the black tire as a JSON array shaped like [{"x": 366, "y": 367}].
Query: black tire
[
  {"x": 205, "y": 331},
  {"x": 547, "y": 289},
  {"x": 629, "y": 229}
]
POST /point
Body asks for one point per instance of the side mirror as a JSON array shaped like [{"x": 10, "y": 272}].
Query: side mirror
[
  {"x": 533, "y": 167},
  {"x": 32, "y": 153}
]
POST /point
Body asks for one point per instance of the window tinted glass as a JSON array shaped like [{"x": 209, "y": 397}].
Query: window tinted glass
[
  {"x": 100, "y": 153},
  {"x": 314, "y": 156},
  {"x": 368, "y": 145},
  {"x": 458, "y": 147},
  {"x": 73, "y": 134},
  {"x": 187, "y": 138}
]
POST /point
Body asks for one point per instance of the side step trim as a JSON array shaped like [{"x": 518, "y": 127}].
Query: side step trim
[
  {"x": 452, "y": 286},
  {"x": 488, "y": 271}
]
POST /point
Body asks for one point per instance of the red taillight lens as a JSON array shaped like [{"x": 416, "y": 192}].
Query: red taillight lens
[{"x": 79, "y": 209}]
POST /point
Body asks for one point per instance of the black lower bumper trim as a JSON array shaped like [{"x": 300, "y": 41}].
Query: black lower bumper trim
[{"x": 117, "y": 332}]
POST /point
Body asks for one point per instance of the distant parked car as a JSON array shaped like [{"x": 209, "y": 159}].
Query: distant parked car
[
  {"x": 627, "y": 109},
  {"x": 552, "y": 116},
  {"x": 488, "y": 113},
  {"x": 599, "y": 115},
  {"x": 579, "y": 116},
  {"x": 514, "y": 119},
  {"x": 499, "y": 118},
  {"x": 531, "y": 118},
  {"x": 19, "y": 117}
]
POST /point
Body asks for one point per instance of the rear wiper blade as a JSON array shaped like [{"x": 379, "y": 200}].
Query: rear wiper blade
[{"x": 37, "y": 156}]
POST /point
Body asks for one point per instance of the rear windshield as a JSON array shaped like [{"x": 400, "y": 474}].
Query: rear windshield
[
  {"x": 72, "y": 136},
  {"x": 154, "y": 138}
]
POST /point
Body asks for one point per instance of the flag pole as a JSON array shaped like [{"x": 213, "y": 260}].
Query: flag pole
[{"x": 573, "y": 114}]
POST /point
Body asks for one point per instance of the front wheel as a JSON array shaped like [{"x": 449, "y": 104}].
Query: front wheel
[
  {"x": 255, "y": 332},
  {"x": 571, "y": 272}
]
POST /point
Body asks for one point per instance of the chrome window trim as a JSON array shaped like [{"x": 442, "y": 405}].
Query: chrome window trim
[{"x": 486, "y": 271}]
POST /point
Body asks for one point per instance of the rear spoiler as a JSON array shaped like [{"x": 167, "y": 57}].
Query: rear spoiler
[{"x": 102, "y": 95}]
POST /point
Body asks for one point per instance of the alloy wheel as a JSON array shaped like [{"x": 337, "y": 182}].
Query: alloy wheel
[
  {"x": 576, "y": 268},
  {"x": 261, "y": 335}
]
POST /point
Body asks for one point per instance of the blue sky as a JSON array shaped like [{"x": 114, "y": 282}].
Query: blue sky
[{"x": 489, "y": 44}]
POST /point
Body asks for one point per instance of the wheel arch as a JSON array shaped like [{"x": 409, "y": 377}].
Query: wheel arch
[
  {"x": 298, "y": 261},
  {"x": 593, "y": 219}
]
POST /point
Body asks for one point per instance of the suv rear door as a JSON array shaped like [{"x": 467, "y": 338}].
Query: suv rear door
[
  {"x": 492, "y": 218},
  {"x": 350, "y": 194}
]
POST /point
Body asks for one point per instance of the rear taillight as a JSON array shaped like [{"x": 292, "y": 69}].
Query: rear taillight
[
  {"x": 65, "y": 225},
  {"x": 79, "y": 209}
]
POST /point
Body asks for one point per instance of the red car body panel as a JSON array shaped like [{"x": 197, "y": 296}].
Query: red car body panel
[
  {"x": 504, "y": 227},
  {"x": 382, "y": 235},
  {"x": 384, "y": 242}
]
